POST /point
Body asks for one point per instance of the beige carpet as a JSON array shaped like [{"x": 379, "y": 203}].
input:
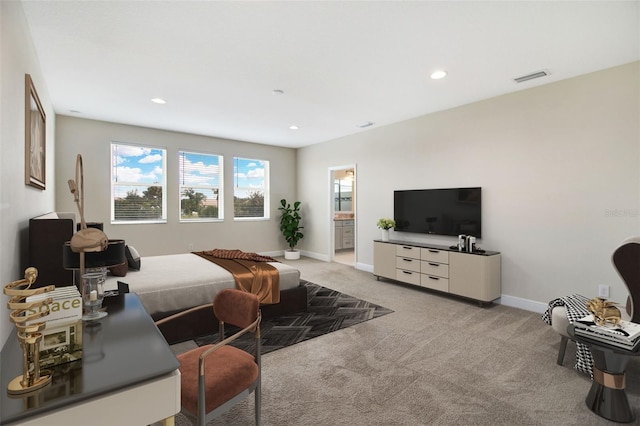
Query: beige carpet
[{"x": 436, "y": 360}]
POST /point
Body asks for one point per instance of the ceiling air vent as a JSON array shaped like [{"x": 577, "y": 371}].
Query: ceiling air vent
[{"x": 531, "y": 76}]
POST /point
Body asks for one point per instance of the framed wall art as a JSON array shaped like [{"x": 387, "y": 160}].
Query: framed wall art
[{"x": 35, "y": 137}]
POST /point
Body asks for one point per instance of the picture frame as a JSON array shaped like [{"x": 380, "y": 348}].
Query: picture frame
[{"x": 35, "y": 137}]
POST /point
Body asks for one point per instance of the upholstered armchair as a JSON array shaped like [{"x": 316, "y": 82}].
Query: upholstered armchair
[{"x": 216, "y": 377}]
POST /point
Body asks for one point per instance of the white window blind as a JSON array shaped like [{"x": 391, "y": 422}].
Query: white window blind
[{"x": 201, "y": 189}]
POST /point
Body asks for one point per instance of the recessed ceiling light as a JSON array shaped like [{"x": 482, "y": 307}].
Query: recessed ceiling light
[
  {"x": 158, "y": 101},
  {"x": 437, "y": 75},
  {"x": 365, "y": 124},
  {"x": 74, "y": 111},
  {"x": 293, "y": 127}
]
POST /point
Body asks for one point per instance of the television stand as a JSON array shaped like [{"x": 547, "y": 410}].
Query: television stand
[{"x": 475, "y": 276}]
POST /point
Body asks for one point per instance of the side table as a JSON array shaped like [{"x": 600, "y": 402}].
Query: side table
[{"x": 607, "y": 397}]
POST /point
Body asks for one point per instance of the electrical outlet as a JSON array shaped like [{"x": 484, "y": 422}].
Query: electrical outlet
[{"x": 603, "y": 291}]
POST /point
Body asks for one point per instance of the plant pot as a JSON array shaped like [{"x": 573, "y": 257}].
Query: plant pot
[
  {"x": 292, "y": 254},
  {"x": 385, "y": 235}
]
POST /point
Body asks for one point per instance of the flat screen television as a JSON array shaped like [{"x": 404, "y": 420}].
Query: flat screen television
[{"x": 450, "y": 211}]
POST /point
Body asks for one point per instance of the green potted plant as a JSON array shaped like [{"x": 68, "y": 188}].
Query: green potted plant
[
  {"x": 385, "y": 224},
  {"x": 290, "y": 227}
]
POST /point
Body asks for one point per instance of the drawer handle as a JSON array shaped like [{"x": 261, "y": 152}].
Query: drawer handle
[
  {"x": 407, "y": 272},
  {"x": 434, "y": 278},
  {"x": 407, "y": 248},
  {"x": 407, "y": 260},
  {"x": 434, "y": 264},
  {"x": 434, "y": 251}
]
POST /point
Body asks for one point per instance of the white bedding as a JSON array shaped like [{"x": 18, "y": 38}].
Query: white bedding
[{"x": 180, "y": 281}]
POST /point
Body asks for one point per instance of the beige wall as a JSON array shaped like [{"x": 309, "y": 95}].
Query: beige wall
[
  {"x": 92, "y": 140},
  {"x": 559, "y": 169},
  {"x": 18, "y": 202}
]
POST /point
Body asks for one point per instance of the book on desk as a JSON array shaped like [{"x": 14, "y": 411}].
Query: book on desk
[
  {"x": 62, "y": 336},
  {"x": 625, "y": 334}
]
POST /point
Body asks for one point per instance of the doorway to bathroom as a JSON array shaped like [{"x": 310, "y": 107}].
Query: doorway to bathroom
[{"x": 342, "y": 181}]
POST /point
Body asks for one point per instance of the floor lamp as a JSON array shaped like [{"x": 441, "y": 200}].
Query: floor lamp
[{"x": 90, "y": 250}]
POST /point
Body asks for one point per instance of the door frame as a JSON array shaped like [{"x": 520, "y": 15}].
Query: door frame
[{"x": 330, "y": 224}]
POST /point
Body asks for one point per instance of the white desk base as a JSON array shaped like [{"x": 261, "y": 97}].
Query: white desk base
[{"x": 156, "y": 400}]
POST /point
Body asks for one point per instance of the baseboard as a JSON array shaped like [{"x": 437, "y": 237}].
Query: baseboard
[
  {"x": 526, "y": 304},
  {"x": 317, "y": 256},
  {"x": 364, "y": 267}
]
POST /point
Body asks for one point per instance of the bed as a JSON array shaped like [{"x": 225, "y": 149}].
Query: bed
[{"x": 174, "y": 283}]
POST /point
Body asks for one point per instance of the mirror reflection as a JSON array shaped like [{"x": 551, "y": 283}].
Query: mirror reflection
[{"x": 343, "y": 189}]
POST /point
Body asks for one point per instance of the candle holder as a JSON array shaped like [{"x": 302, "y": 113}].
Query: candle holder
[{"x": 92, "y": 295}]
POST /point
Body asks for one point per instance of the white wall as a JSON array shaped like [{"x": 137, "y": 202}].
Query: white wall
[
  {"x": 559, "y": 169},
  {"x": 18, "y": 202},
  {"x": 92, "y": 140}
]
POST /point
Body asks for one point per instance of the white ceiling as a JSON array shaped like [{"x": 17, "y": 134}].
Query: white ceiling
[{"x": 340, "y": 64}]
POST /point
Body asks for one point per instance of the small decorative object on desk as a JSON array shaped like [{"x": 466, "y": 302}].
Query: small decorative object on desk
[
  {"x": 93, "y": 283},
  {"x": 29, "y": 331},
  {"x": 385, "y": 224},
  {"x": 62, "y": 336}
]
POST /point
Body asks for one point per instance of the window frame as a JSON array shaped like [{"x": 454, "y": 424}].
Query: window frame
[
  {"x": 266, "y": 164},
  {"x": 220, "y": 187},
  {"x": 114, "y": 184}
]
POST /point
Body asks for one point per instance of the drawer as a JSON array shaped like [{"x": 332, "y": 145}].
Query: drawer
[
  {"x": 408, "y": 276},
  {"x": 408, "y": 264},
  {"x": 434, "y": 255},
  {"x": 347, "y": 242},
  {"x": 435, "y": 283},
  {"x": 347, "y": 222},
  {"x": 434, "y": 268},
  {"x": 347, "y": 231},
  {"x": 408, "y": 251}
]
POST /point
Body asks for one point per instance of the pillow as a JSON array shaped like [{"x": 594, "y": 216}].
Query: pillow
[
  {"x": 133, "y": 258},
  {"x": 119, "y": 270}
]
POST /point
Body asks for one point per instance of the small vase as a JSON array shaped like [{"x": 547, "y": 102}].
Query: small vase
[{"x": 385, "y": 235}]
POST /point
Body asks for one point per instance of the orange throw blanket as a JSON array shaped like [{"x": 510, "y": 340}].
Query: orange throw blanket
[{"x": 251, "y": 272}]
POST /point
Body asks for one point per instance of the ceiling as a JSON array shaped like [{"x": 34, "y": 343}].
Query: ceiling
[{"x": 339, "y": 64}]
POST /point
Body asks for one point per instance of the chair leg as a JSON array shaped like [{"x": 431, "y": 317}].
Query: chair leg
[
  {"x": 258, "y": 404},
  {"x": 563, "y": 348}
]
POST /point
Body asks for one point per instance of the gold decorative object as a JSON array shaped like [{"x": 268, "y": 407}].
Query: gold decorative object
[
  {"x": 29, "y": 336},
  {"x": 603, "y": 311}
]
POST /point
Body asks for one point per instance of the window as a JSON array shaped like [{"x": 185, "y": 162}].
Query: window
[
  {"x": 138, "y": 184},
  {"x": 250, "y": 188},
  {"x": 200, "y": 186}
]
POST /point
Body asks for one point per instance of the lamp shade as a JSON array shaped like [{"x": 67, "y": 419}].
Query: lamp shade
[{"x": 114, "y": 255}]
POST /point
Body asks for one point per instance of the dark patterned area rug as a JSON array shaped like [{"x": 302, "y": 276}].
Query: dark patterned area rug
[{"x": 328, "y": 311}]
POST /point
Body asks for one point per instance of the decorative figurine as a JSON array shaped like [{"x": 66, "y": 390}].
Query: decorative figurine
[
  {"x": 603, "y": 311},
  {"x": 29, "y": 334}
]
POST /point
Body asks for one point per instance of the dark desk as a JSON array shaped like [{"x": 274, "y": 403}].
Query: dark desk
[
  {"x": 607, "y": 397},
  {"x": 122, "y": 352}
]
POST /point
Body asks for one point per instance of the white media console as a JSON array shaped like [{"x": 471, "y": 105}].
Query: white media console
[{"x": 475, "y": 275}]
